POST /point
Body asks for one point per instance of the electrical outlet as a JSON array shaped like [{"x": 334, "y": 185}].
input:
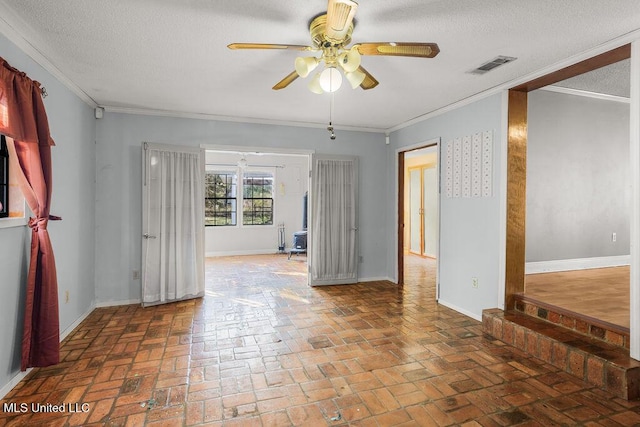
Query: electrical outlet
[
  {"x": 614, "y": 237},
  {"x": 66, "y": 297},
  {"x": 474, "y": 282},
  {"x": 136, "y": 274}
]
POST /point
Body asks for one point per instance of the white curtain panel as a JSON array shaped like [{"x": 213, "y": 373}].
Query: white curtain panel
[
  {"x": 333, "y": 255},
  {"x": 174, "y": 261}
]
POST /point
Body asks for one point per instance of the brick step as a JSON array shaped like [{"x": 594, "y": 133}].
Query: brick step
[
  {"x": 598, "y": 329},
  {"x": 599, "y": 363}
]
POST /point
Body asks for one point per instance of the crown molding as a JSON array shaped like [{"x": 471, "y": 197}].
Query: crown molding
[
  {"x": 586, "y": 93},
  {"x": 213, "y": 117}
]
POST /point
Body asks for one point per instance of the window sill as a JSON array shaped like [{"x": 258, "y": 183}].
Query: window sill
[{"x": 13, "y": 222}]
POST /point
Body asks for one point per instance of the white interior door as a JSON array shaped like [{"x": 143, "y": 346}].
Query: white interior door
[
  {"x": 415, "y": 211},
  {"x": 172, "y": 224},
  {"x": 333, "y": 231}
]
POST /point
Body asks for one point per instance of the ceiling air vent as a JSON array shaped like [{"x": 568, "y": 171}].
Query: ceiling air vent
[{"x": 494, "y": 63}]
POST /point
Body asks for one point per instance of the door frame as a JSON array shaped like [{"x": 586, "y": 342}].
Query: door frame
[{"x": 400, "y": 166}]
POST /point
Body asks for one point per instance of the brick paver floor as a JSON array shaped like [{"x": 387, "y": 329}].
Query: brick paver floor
[{"x": 264, "y": 349}]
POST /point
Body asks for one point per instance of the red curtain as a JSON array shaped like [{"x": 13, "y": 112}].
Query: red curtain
[{"x": 24, "y": 121}]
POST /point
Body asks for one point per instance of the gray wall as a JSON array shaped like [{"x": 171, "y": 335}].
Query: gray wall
[
  {"x": 578, "y": 182},
  {"x": 119, "y": 139},
  {"x": 73, "y": 128},
  {"x": 470, "y": 243}
]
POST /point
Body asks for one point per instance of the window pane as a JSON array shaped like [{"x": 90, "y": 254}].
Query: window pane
[
  {"x": 257, "y": 191},
  {"x": 220, "y": 198}
]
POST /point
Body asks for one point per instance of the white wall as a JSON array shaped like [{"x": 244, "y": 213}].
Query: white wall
[
  {"x": 470, "y": 243},
  {"x": 119, "y": 139},
  {"x": 291, "y": 182},
  {"x": 73, "y": 129},
  {"x": 578, "y": 182}
]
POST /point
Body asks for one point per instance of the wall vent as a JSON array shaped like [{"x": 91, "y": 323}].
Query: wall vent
[{"x": 494, "y": 63}]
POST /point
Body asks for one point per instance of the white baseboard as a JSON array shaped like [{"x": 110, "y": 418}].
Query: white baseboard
[
  {"x": 375, "y": 279},
  {"x": 21, "y": 375},
  {"x": 576, "y": 264},
  {"x": 103, "y": 304},
  {"x": 75, "y": 324},
  {"x": 246, "y": 252},
  {"x": 13, "y": 382},
  {"x": 461, "y": 310}
]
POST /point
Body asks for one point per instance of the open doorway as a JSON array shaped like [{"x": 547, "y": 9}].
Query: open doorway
[
  {"x": 578, "y": 194},
  {"x": 517, "y": 175},
  {"x": 256, "y": 204},
  {"x": 418, "y": 213}
]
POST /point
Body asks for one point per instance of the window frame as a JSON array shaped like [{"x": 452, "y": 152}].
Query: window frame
[
  {"x": 232, "y": 176},
  {"x": 272, "y": 176}
]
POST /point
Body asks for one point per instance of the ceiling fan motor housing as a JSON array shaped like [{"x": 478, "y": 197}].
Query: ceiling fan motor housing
[{"x": 318, "y": 32}]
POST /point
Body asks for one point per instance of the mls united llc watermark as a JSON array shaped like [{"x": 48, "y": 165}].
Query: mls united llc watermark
[{"x": 45, "y": 407}]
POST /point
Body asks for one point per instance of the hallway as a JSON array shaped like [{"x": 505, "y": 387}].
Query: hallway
[{"x": 262, "y": 348}]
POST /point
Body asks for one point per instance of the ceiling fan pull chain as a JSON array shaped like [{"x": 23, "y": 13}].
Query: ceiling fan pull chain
[{"x": 332, "y": 134}]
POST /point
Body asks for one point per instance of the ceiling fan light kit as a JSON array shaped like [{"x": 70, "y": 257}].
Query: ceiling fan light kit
[{"x": 331, "y": 34}]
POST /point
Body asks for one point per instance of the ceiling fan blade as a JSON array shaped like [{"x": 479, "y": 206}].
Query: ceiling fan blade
[
  {"x": 340, "y": 15},
  {"x": 235, "y": 46},
  {"x": 418, "y": 50},
  {"x": 286, "y": 81},
  {"x": 369, "y": 81}
]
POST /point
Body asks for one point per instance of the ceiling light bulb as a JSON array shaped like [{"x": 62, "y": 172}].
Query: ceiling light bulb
[
  {"x": 314, "y": 85},
  {"x": 330, "y": 79},
  {"x": 305, "y": 65}
]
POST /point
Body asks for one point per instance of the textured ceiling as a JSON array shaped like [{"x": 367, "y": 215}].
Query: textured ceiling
[
  {"x": 171, "y": 55},
  {"x": 614, "y": 79}
]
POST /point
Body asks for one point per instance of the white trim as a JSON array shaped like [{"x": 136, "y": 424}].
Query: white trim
[
  {"x": 586, "y": 93},
  {"x": 7, "y": 16},
  {"x": 634, "y": 155},
  {"x": 117, "y": 303},
  {"x": 75, "y": 324},
  {"x": 576, "y": 264},
  {"x": 246, "y": 252},
  {"x": 460, "y": 310},
  {"x": 605, "y": 47},
  {"x": 502, "y": 195},
  {"x": 14, "y": 382},
  {"x": 214, "y": 117},
  {"x": 375, "y": 279},
  {"x": 239, "y": 149},
  {"x": 21, "y": 375},
  {"x": 13, "y": 222}
]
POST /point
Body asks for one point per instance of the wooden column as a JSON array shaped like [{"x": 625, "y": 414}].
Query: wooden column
[{"x": 516, "y": 195}]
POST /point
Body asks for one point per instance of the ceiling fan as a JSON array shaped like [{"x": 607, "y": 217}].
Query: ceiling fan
[{"x": 331, "y": 35}]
